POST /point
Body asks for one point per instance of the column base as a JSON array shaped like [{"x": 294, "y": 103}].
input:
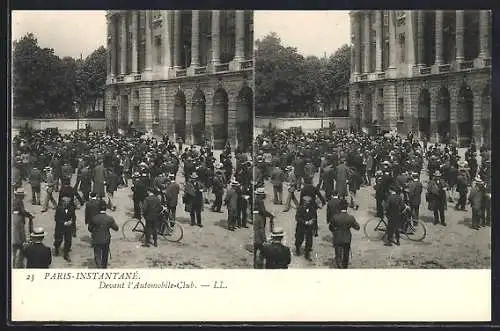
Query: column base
[
  {"x": 191, "y": 69},
  {"x": 147, "y": 74},
  {"x": 234, "y": 65}
]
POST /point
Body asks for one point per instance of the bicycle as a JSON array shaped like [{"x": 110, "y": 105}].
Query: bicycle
[
  {"x": 167, "y": 228},
  {"x": 376, "y": 229}
]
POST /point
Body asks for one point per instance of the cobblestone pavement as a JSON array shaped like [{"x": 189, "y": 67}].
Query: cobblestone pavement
[
  {"x": 212, "y": 246},
  {"x": 453, "y": 246}
]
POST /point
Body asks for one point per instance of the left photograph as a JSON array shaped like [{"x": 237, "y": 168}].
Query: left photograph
[{"x": 131, "y": 139}]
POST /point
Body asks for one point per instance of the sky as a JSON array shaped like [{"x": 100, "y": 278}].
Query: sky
[
  {"x": 312, "y": 32},
  {"x": 69, "y": 33}
]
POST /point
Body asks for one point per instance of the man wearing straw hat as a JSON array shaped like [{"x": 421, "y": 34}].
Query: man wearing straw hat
[
  {"x": 275, "y": 254},
  {"x": 18, "y": 207},
  {"x": 37, "y": 255}
]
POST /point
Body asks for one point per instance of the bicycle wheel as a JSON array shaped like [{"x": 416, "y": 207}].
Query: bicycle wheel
[
  {"x": 133, "y": 230},
  {"x": 415, "y": 230},
  {"x": 375, "y": 229},
  {"x": 171, "y": 231}
]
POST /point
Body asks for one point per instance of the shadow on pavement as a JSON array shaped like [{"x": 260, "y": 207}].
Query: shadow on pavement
[
  {"x": 427, "y": 219},
  {"x": 221, "y": 223},
  {"x": 183, "y": 220},
  {"x": 466, "y": 222}
]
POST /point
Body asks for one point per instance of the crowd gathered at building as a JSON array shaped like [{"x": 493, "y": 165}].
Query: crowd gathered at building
[
  {"x": 329, "y": 167},
  {"x": 85, "y": 169}
]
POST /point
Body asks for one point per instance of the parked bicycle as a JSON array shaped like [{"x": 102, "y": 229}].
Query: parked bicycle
[
  {"x": 411, "y": 228},
  {"x": 168, "y": 229}
]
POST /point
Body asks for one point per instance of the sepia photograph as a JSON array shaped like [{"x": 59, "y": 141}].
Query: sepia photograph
[
  {"x": 132, "y": 139},
  {"x": 372, "y": 139}
]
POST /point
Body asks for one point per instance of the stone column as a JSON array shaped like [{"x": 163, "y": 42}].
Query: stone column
[
  {"x": 439, "y": 37},
  {"x": 420, "y": 37},
  {"x": 195, "y": 38},
  {"x": 123, "y": 46},
  {"x": 177, "y": 39},
  {"x": 366, "y": 42},
  {"x": 135, "y": 23},
  {"x": 378, "y": 41},
  {"x": 111, "y": 51},
  {"x": 166, "y": 44},
  {"x": 357, "y": 42},
  {"x": 149, "y": 43},
  {"x": 392, "y": 40},
  {"x": 460, "y": 35},
  {"x": 484, "y": 45},
  {"x": 239, "y": 54},
  {"x": 215, "y": 37}
]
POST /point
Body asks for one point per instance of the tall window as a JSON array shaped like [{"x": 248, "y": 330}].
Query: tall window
[
  {"x": 158, "y": 49},
  {"x": 156, "y": 113},
  {"x": 402, "y": 48},
  {"x": 401, "y": 110}
]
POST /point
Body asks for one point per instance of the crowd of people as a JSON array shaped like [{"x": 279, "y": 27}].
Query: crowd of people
[
  {"x": 328, "y": 167},
  {"x": 85, "y": 168}
]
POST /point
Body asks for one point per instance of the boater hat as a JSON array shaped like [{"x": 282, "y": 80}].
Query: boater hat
[
  {"x": 19, "y": 191},
  {"x": 37, "y": 233},
  {"x": 194, "y": 175},
  {"x": 260, "y": 191},
  {"x": 277, "y": 233}
]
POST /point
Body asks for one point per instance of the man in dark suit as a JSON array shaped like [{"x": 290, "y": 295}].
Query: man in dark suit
[
  {"x": 275, "y": 254},
  {"x": 65, "y": 219},
  {"x": 91, "y": 209},
  {"x": 139, "y": 194},
  {"x": 35, "y": 181},
  {"x": 152, "y": 210},
  {"x": 333, "y": 207},
  {"x": 305, "y": 217},
  {"x": 340, "y": 226},
  {"x": 395, "y": 207},
  {"x": 101, "y": 237},
  {"x": 193, "y": 196},
  {"x": 172, "y": 195},
  {"x": 312, "y": 191},
  {"x": 415, "y": 194},
  {"x": 37, "y": 255}
]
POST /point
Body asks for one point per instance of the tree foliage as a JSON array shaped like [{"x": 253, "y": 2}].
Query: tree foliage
[
  {"x": 44, "y": 83},
  {"x": 287, "y": 82}
]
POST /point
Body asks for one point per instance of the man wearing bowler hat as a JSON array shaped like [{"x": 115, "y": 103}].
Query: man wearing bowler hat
[
  {"x": 101, "y": 237},
  {"x": 65, "y": 219},
  {"x": 193, "y": 198},
  {"x": 340, "y": 226},
  {"x": 436, "y": 195},
  {"x": 37, "y": 255}
]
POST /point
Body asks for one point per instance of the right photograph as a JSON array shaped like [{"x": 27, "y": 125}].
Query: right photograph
[{"x": 372, "y": 139}]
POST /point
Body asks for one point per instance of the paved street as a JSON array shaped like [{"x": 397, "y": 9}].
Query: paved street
[
  {"x": 453, "y": 246},
  {"x": 209, "y": 247}
]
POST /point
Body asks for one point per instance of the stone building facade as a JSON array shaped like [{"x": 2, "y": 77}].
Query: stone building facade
[
  {"x": 183, "y": 73},
  {"x": 428, "y": 71}
]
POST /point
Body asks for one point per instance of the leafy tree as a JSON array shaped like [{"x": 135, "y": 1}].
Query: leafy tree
[
  {"x": 45, "y": 84},
  {"x": 287, "y": 82},
  {"x": 277, "y": 75}
]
